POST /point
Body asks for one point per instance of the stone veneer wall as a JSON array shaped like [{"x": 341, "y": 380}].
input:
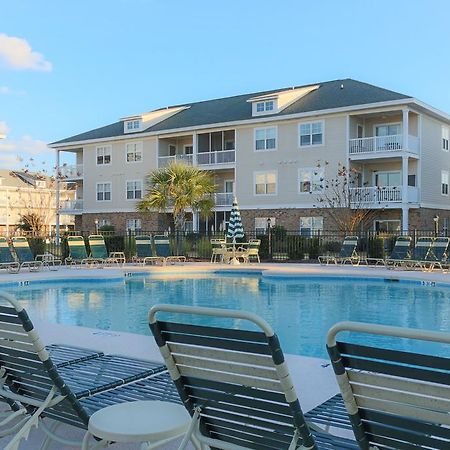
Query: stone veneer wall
[{"x": 149, "y": 221}]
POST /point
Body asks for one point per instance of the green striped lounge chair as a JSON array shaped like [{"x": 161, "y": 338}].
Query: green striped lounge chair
[
  {"x": 7, "y": 260},
  {"x": 218, "y": 250},
  {"x": 65, "y": 384},
  {"x": 400, "y": 252},
  {"x": 438, "y": 254},
  {"x": 24, "y": 254},
  {"x": 144, "y": 252},
  {"x": 347, "y": 254},
  {"x": 419, "y": 254},
  {"x": 77, "y": 251},
  {"x": 163, "y": 250},
  {"x": 99, "y": 252},
  {"x": 395, "y": 399},
  {"x": 234, "y": 383}
]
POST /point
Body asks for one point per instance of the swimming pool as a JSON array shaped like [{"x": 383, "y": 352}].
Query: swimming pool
[{"x": 301, "y": 310}]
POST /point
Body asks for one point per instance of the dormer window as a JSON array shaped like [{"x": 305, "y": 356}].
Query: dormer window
[
  {"x": 265, "y": 106},
  {"x": 133, "y": 125},
  {"x": 40, "y": 184}
]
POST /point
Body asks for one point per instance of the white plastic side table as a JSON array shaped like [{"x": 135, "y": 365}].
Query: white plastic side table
[{"x": 150, "y": 422}]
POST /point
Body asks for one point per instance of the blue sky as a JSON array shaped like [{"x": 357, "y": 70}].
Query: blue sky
[{"x": 68, "y": 67}]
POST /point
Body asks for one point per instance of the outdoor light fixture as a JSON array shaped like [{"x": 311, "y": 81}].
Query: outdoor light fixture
[
  {"x": 96, "y": 225},
  {"x": 269, "y": 223},
  {"x": 436, "y": 224}
]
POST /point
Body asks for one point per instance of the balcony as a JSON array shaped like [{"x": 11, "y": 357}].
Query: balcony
[
  {"x": 224, "y": 198},
  {"x": 164, "y": 161},
  {"x": 71, "y": 207},
  {"x": 72, "y": 172},
  {"x": 381, "y": 197},
  {"x": 216, "y": 158},
  {"x": 382, "y": 145}
]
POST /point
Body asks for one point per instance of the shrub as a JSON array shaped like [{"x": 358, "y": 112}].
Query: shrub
[
  {"x": 204, "y": 248},
  {"x": 314, "y": 248},
  {"x": 375, "y": 247}
]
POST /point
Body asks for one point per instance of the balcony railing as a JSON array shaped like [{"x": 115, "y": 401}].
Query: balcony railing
[
  {"x": 71, "y": 171},
  {"x": 222, "y": 157},
  {"x": 71, "y": 206},
  {"x": 224, "y": 198},
  {"x": 164, "y": 161},
  {"x": 364, "y": 196},
  {"x": 378, "y": 144}
]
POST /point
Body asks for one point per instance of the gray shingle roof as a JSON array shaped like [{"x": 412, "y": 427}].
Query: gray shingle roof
[{"x": 229, "y": 109}]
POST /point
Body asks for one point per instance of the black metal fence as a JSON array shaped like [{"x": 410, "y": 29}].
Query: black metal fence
[{"x": 276, "y": 245}]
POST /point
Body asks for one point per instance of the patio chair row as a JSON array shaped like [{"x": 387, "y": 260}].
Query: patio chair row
[
  {"x": 225, "y": 252},
  {"x": 235, "y": 383},
  {"x": 154, "y": 250},
  {"x": 18, "y": 255}
]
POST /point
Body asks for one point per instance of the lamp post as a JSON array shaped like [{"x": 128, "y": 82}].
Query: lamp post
[
  {"x": 96, "y": 226},
  {"x": 436, "y": 224},
  {"x": 269, "y": 233}
]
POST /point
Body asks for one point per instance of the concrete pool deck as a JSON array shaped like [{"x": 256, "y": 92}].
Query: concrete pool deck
[{"x": 313, "y": 378}]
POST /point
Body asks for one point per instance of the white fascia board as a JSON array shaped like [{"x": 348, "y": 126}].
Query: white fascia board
[
  {"x": 254, "y": 120},
  {"x": 433, "y": 111}
]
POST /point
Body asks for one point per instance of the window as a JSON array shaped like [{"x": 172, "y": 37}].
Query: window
[
  {"x": 265, "y": 183},
  {"x": 40, "y": 184},
  {"x": 310, "y": 226},
  {"x": 445, "y": 226},
  {"x": 103, "y": 155},
  {"x": 387, "y": 226},
  {"x": 104, "y": 223},
  {"x": 134, "y": 151},
  {"x": 311, "y": 180},
  {"x": 216, "y": 141},
  {"x": 266, "y": 138},
  {"x": 133, "y": 125},
  {"x": 188, "y": 149},
  {"x": 265, "y": 106},
  {"x": 383, "y": 179},
  {"x": 261, "y": 224},
  {"x": 445, "y": 138},
  {"x": 133, "y": 224},
  {"x": 444, "y": 182},
  {"x": 103, "y": 192},
  {"x": 134, "y": 190},
  {"x": 392, "y": 129},
  {"x": 311, "y": 134}
]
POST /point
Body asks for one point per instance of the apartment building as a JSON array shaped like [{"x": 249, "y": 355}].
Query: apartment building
[
  {"x": 265, "y": 149},
  {"x": 24, "y": 192}
]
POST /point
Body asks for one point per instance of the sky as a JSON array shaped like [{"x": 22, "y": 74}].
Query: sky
[{"x": 71, "y": 66}]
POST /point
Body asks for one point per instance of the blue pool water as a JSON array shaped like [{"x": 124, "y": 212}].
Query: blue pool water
[{"x": 301, "y": 310}]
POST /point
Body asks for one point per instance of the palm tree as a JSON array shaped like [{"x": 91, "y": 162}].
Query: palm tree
[{"x": 179, "y": 187}]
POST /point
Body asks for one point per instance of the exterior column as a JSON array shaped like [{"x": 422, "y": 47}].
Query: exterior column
[
  {"x": 195, "y": 217},
  {"x": 194, "y": 149},
  {"x": 405, "y": 207},
  {"x": 57, "y": 198},
  {"x": 7, "y": 212},
  {"x": 405, "y": 130}
]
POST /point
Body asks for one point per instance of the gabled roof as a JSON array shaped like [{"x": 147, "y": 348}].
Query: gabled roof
[{"x": 329, "y": 95}]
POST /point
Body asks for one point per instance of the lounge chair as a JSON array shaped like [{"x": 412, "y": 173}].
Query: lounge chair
[
  {"x": 438, "y": 254},
  {"x": 395, "y": 399},
  {"x": 252, "y": 250},
  {"x": 77, "y": 252},
  {"x": 419, "y": 254},
  {"x": 346, "y": 255},
  {"x": 219, "y": 248},
  {"x": 6, "y": 258},
  {"x": 68, "y": 392},
  {"x": 234, "y": 383},
  {"x": 163, "y": 250},
  {"x": 144, "y": 252},
  {"x": 24, "y": 255},
  {"x": 400, "y": 252},
  {"x": 99, "y": 251}
]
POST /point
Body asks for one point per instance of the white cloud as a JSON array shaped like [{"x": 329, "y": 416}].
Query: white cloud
[
  {"x": 5, "y": 90},
  {"x": 16, "y": 53},
  {"x": 3, "y": 128},
  {"x": 25, "y": 152}
]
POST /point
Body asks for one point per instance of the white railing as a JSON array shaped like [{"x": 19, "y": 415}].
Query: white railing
[
  {"x": 224, "y": 198},
  {"x": 72, "y": 205},
  {"x": 222, "y": 157},
  {"x": 164, "y": 161},
  {"x": 370, "y": 195},
  {"x": 71, "y": 171},
  {"x": 382, "y": 144}
]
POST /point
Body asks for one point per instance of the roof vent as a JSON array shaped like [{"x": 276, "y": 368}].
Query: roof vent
[{"x": 342, "y": 86}]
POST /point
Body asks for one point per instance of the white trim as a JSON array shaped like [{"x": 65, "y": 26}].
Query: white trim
[
  {"x": 136, "y": 143},
  {"x": 96, "y": 191},
  {"x": 234, "y": 123},
  {"x": 442, "y": 183},
  {"x": 228, "y": 180},
  {"x": 126, "y": 190},
  {"x": 260, "y": 172},
  {"x": 444, "y": 207},
  {"x": 184, "y": 149},
  {"x": 109, "y": 146},
  {"x": 308, "y": 122},
  {"x": 264, "y": 149}
]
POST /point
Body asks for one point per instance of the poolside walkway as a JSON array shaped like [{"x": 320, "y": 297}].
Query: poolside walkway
[{"x": 313, "y": 377}]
